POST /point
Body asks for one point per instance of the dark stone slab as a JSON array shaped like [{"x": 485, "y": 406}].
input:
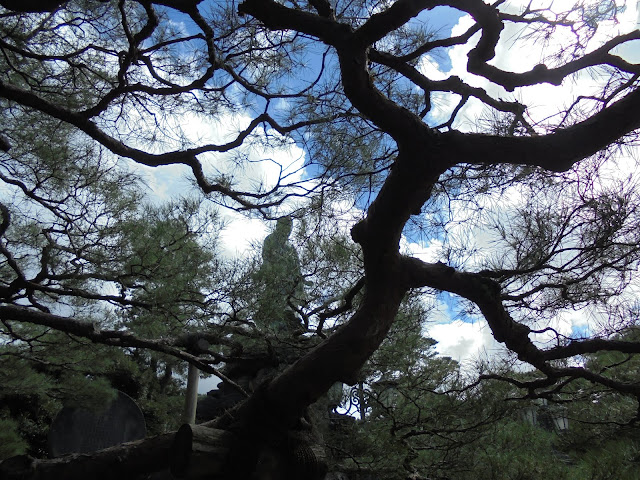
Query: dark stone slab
[{"x": 78, "y": 430}]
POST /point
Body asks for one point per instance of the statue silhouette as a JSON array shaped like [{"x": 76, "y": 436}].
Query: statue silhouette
[{"x": 280, "y": 280}]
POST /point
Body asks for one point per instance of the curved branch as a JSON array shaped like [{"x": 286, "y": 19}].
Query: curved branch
[
  {"x": 555, "y": 76},
  {"x": 116, "y": 338},
  {"x": 557, "y": 151},
  {"x": 186, "y": 157},
  {"x": 451, "y": 84},
  {"x": 278, "y": 17},
  {"x": 347, "y": 304},
  {"x": 442, "y": 43},
  {"x": 593, "y": 345},
  {"x": 128, "y": 460},
  {"x": 382, "y": 23},
  {"x": 32, "y": 6},
  {"x": 485, "y": 293}
]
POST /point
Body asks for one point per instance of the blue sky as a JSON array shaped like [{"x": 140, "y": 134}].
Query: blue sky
[{"x": 459, "y": 336}]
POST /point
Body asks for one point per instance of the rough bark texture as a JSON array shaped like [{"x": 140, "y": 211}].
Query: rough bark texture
[
  {"x": 128, "y": 460},
  {"x": 262, "y": 423},
  {"x": 199, "y": 452}
]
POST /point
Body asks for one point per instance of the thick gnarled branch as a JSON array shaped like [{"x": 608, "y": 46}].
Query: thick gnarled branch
[
  {"x": 128, "y": 460},
  {"x": 485, "y": 293},
  {"x": 556, "y": 152}
]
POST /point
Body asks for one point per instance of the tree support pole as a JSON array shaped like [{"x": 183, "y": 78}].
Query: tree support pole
[{"x": 191, "y": 400}]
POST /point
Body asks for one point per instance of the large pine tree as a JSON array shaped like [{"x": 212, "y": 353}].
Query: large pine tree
[{"x": 505, "y": 144}]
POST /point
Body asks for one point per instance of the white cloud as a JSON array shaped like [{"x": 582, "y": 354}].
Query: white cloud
[
  {"x": 429, "y": 252},
  {"x": 513, "y": 53},
  {"x": 429, "y": 67},
  {"x": 251, "y": 166},
  {"x": 167, "y": 181},
  {"x": 241, "y": 234},
  {"x": 517, "y": 54},
  {"x": 464, "y": 342}
]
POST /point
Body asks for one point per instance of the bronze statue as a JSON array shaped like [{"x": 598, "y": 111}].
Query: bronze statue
[{"x": 280, "y": 280}]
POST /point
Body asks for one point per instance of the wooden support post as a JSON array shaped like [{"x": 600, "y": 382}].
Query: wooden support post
[{"x": 191, "y": 400}]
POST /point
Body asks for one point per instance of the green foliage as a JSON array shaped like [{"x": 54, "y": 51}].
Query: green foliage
[
  {"x": 516, "y": 450},
  {"x": 615, "y": 459},
  {"x": 36, "y": 385},
  {"x": 105, "y": 256},
  {"x": 433, "y": 425},
  {"x": 106, "y": 81},
  {"x": 169, "y": 258},
  {"x": 11, "y": 443}
]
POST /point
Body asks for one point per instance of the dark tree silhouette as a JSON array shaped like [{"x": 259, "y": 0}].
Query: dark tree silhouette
[{"x": 344, "y": 81}]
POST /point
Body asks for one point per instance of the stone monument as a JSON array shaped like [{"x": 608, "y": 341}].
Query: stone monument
[{"x": 79, "y": 430}]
